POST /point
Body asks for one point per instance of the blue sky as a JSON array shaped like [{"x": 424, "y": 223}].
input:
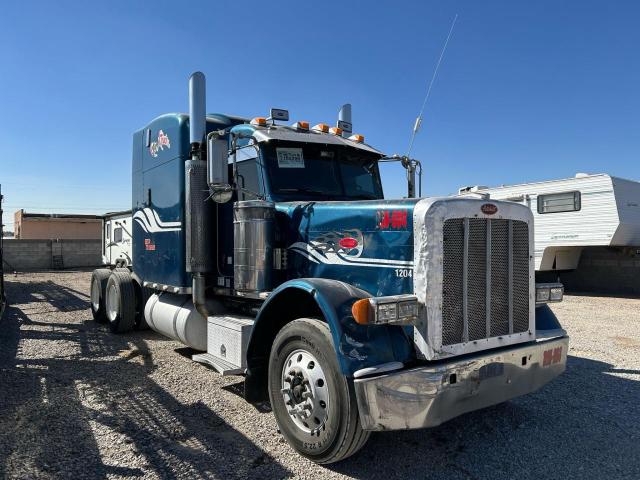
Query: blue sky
[{"x": 527, "y": 90}]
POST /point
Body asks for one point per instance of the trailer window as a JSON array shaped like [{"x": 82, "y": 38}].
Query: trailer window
[
  {"x": 559, "y": 202},
  {"x": 117, "y": 235},
  {"x": 108, "y": 231}
]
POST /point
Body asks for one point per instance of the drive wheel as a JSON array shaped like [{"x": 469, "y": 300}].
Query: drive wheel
[
  {"x": 121, "y": 302},
  {"x": 99, "y": 280},
  {"x": 313, "y": 402}
]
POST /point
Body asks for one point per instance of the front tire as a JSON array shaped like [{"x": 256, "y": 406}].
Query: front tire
[
  {"x": 99, "y": 279},
  {"x": 313, "y": 402},
  {"x": 120, "y": 302}
]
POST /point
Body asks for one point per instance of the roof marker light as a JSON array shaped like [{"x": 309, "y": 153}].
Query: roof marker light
[
  {"x": 356, "y": 137},
  {"x": 259, "y": 121},
  {"x": 321, "y": 127},
  {"x": 335, "y": 131},
  {"x": 301, "y": 125}
]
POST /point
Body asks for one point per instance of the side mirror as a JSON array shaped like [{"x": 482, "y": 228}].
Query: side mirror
[{"x": 217, "y": 169}]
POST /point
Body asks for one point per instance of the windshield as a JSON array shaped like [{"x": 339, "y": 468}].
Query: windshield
[{"x": 308, "y": 169}]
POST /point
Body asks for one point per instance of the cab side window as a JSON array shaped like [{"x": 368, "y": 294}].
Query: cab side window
[
  {"x": 248, "y": 179},
  {"x": 248, "y": 172}
]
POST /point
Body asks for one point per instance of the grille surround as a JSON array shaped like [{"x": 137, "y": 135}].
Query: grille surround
[
  {"x": 429, "y": 216},
  {"x": 485, "y": 279}
]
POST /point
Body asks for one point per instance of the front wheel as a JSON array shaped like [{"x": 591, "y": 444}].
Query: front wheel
[{"x": 313, "y": 402}]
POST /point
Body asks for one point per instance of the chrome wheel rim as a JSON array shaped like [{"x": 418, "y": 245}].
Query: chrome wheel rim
[
  {"x": 112, "y": 302},
  {"x": 95, "y": 295},
  {"x": 305, "y": 391}
]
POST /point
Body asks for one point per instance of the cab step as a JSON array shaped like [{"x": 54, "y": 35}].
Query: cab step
[{"x": 227, "y": 341}]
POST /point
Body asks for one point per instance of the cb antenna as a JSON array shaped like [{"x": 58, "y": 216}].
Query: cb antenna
[{"x": 416, "y": 125}]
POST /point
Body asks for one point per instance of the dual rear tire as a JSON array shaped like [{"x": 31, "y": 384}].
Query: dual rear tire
[
  {"x": 99, "y": 280},
  {"x": 115, "y": 299}
]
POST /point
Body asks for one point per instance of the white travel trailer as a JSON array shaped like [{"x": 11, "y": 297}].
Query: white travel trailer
[
  {"x": 576, "y": 213},
  {"x": 116, "y": 239}
]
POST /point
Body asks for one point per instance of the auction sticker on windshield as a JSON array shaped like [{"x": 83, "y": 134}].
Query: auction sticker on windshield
[{"x": 290, "y": 158}]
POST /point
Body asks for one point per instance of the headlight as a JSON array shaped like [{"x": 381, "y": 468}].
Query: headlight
[
  {"x": 387, "y": 312},
  {"x": 396, "y": 309},
  {"x": 556, "y": 293},
  {"x": 549, "y": 292},
  {"x": 542, "y": 293}
]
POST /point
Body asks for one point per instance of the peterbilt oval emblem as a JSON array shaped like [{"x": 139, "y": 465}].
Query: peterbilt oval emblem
[
  {"x": 489, "y": 209},
  {"x": 348, "y": 243}
]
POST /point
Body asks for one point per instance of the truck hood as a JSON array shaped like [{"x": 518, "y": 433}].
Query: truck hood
[{"x": 368, "y": 244}]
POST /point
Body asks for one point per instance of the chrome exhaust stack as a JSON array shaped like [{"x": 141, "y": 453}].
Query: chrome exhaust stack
[
  {"x": 198, "y": 209},
  {"x": 344, "y": 120}
]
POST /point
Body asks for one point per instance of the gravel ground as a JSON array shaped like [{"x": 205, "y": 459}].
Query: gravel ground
[{"x": 78, "y": 402}]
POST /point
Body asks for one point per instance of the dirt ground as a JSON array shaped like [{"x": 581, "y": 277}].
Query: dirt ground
[{"x": 79, "y": 402}]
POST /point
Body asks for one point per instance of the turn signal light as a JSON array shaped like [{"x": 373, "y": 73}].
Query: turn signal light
[
  {"x": 357, "y": 138},
  {"x": 301, "y": 125},
  {"x": 321, "y": 127},
  {"x": 394, "y": 310},
  {"x": 259, "y": 121},
  {"x": 361, "y": 311},
  {"x": 335, "y": 131}
]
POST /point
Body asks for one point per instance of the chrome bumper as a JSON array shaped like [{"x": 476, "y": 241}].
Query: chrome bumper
[{"x": 430, "y": 395}]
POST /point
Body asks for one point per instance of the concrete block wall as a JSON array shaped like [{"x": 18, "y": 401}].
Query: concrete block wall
[
  {"x": 81, "y": 253},
  {"x": 608, "y": 270},
  {"x": 24, "y": 254}
]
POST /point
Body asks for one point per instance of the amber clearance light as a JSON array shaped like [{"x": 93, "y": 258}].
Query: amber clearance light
[
  {"x": 259, "y": 121},
  {"x": 321, "y": 127}
]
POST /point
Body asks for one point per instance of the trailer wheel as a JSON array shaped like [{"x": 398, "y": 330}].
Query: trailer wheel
[
  {"x": 99, "y": 279},
  {"x": 121, "y": 302},
  {"x": 313, "y": 402}
]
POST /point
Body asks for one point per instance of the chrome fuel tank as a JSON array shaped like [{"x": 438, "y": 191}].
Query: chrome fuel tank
[{"x": 174, "y": 316}]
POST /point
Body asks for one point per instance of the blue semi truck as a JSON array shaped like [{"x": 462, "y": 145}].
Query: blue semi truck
[{"x": 270, "y": 250}]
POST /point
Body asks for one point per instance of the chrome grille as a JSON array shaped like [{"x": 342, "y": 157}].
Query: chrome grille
[{"x": 485, "y": 282}]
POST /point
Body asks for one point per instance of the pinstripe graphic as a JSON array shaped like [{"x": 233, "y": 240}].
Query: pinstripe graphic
[
  {"x": 150, "y": 222},
  {"x": 332, "y": 258}
]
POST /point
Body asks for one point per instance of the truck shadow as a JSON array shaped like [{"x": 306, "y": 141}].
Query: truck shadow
[
  {"x": 585, "y": 424},
  {"x": 59, "y": 297},
  {"x": 55, "y": 405}
]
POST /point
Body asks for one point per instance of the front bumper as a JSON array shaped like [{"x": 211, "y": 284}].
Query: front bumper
[{"x": 430, "y": 395}]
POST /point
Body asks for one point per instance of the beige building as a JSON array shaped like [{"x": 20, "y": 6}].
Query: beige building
[{"x": 57, "y": 226}]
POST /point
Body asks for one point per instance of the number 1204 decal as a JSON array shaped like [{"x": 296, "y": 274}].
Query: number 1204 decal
[{"x": 404, "y": 272}]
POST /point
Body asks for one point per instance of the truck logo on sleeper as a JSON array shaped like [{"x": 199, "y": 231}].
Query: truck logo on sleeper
[
  {"x": 163, "y": 141},
  {"x": 148, "y": 245}
]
